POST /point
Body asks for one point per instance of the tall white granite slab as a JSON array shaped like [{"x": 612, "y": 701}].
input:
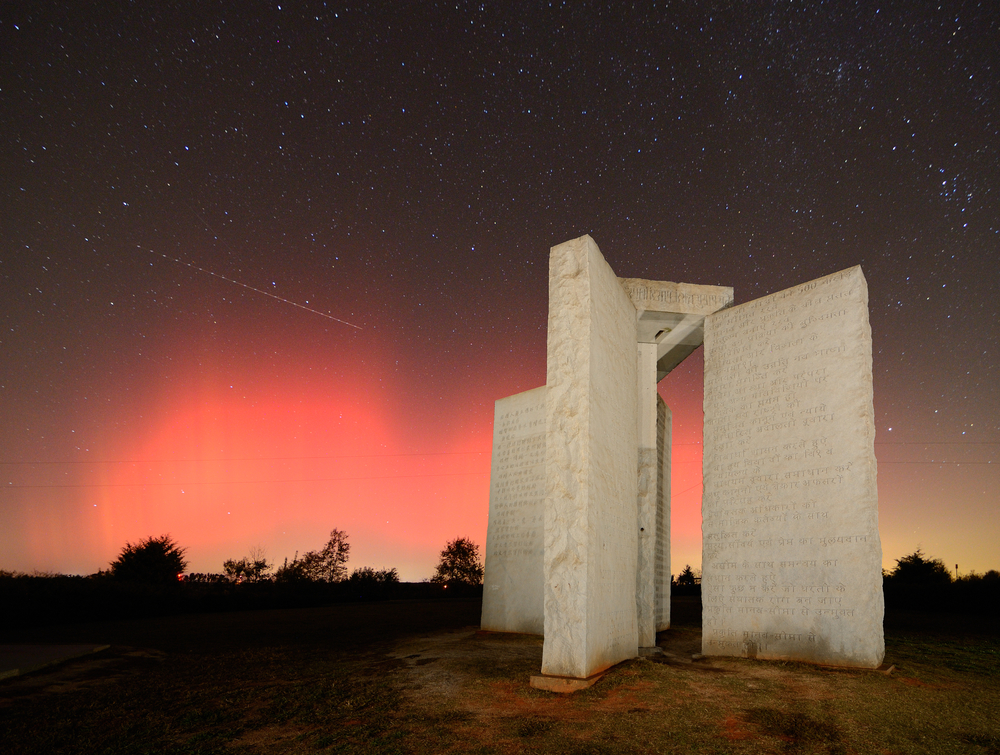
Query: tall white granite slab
[
  {"x": 792, "y": 562},
  {"x": 512, "y": 582},
  {"x": 649, "y": 471},
  {"x": 591, "y": 544},
  {"x": 661, "y": 554},
  {"x": 653, "y": 503}
]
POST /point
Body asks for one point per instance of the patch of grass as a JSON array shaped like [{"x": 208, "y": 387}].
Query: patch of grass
[
  {"x": 987, "y": 743},
  {"x": 979, "y": 656},
  {"x": 799, "y": 731}
]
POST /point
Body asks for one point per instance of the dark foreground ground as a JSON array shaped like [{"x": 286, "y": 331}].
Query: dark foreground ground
[{"x": 418, "y": 676}]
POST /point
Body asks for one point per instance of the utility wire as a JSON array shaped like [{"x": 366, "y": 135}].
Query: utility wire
[
  {"x": 237, "y": 482},
  {"x": 248, "y": 458}
]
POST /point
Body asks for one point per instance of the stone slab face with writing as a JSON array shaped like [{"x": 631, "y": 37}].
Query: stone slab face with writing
[
  {"x": 792, "y": 562},
  {"x": 512, "y": 583},
  {"x": 590, "y": 466}
]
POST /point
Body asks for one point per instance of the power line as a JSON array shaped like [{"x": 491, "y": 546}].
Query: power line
[
  {"x": 959, "y": 463},
  {"x": 236, "y": 482},
  {"x": 438, "y": 453},
  {"x": 248, "y": 458},
  {"x": 940, "y": 443}
]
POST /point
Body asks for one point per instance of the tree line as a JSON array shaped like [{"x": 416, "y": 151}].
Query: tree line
[
  {"x": 148, "y": 579},
  {"x": 917, "y": 582},
  {"x": 161, "y": 560}
]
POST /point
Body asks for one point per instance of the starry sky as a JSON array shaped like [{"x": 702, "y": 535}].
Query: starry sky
[{"x": 265, "y": 267}]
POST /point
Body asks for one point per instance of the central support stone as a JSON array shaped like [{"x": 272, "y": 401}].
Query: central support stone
[{"x": 578, "y": 543}]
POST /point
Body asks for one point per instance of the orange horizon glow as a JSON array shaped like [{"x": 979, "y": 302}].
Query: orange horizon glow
[{"x": 279, "y": 465}]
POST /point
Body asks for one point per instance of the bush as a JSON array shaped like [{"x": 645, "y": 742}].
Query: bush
[
  {"x": 917, "y": 569},
  {"x": 154, "y": 560}
]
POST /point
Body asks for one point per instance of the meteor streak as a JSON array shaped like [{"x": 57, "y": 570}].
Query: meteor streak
[{"x": 259, "y": 291}]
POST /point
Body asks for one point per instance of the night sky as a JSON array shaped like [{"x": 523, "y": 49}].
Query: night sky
[{"x": 265, "y": 267}]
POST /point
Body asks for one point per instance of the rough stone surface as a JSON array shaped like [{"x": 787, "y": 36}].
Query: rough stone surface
[
  {"x": 661, "y": 567},
  {"x": 512, "y": 583},
  {"x": 649, "y": 471},
  {"x": 791, "y": 552},
  {"x": 591, "y": 543},
  {"x": 653, "y": 503}
]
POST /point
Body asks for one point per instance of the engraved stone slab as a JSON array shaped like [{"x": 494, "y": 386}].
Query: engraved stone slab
[
  {"x": 512, "y": 583},
  {"x": 591, "y": 543},
  {"x": 791, "y": 552}
]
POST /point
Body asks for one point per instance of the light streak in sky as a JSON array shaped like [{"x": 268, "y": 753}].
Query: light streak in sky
[{"x": 259, "y": 291}]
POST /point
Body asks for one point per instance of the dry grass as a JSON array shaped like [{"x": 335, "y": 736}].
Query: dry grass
[{"x": 425, "y": 680}]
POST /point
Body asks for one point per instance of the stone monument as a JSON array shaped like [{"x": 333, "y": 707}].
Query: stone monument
[
  {"x": 791, "y": 557},
  {"x": 512, "y": 578},
  {"x": 578, "y": 540}
]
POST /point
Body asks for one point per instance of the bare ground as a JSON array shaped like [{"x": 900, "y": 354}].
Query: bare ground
[{"x": 421, "y": 677}]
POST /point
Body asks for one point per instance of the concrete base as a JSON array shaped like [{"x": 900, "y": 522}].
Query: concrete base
[
  {"x": 646, "y": 652},
  {"x": 563, "y": 684}
]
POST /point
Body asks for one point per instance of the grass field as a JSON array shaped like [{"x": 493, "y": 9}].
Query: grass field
[{"x": 418, "y": 677}]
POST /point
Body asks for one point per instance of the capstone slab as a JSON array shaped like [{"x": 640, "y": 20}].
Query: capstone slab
[
  {"x": 681, "y": 298},
  {"x": 791, "y": 560}
]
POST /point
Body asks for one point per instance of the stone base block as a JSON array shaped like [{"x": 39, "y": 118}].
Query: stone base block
[{"x": 563, "y": 684}]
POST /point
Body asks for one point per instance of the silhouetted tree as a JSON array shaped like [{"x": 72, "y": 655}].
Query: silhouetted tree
[
  {"x": 686, "y": 578},
  {"x": 251, "y": 569},
  {"x": 459, "y": 563},
  {"x": 155, "y": 559},
  {"x": 201, "y": 578},
  {"x": 917, "y": 569},
  {"x": 326, "y": 565},
  {"x": 368, "y": 575},
  {"x": 291, "y": 571}
]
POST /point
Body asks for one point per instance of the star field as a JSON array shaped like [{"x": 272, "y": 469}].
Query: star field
[{"x": 187, "y": 187}]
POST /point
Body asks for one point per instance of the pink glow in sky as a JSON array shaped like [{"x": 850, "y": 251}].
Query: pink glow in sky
[{"x": 406, "y": 169}]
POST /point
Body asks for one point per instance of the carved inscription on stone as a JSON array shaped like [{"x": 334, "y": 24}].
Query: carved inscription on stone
[
  {"x": 512, "y": 586},
  {"x": 791, "y": 551},
  {"x": 665, "y": 296}
]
